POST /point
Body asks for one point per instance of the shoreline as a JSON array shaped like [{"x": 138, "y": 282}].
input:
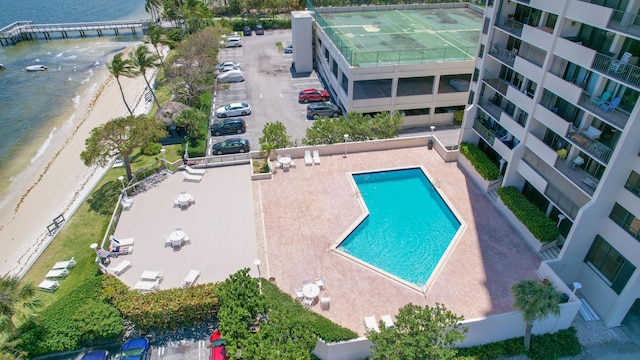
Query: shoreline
[{"x": 59, "y": 181}]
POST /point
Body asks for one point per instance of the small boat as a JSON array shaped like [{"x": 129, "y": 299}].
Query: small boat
[
  {"x": 36, "y": 68},
  {"x": 1, "y": 67}
]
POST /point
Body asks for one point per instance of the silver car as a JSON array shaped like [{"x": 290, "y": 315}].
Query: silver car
[{"x": 234, "y": 109}]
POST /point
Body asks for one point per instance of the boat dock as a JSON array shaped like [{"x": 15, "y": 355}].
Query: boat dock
[{"x": 27, "y": 30}]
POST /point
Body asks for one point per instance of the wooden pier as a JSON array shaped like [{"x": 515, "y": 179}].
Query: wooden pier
[{"x": 27, "y": 30}]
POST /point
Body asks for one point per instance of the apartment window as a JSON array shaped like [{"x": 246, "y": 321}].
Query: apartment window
[
  {"x": 335, "y": 68},
  {"x": 626, "y": 220},
  {"x": 472, "y": 94},
  {"x": 476, "y": 75},
  {"x": 485, "y": 26},
  {"x": 633, "y": 183},
  {"x": 481, "y": 52},
  {"x": 489, "y": 2},
  {"x": 609, "y": 264},
  {"x": 416, "y": 112},
  {"x": 345, "y": 83}
]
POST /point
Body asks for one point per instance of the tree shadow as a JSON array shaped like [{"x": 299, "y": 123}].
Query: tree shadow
[{"x": 104, "y": 198}]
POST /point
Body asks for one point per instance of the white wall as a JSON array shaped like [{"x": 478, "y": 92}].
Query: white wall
[{"x": 302, "y": 40}]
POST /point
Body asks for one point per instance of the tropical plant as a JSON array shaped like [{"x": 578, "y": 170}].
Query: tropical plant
[
  {"x": 536, "y": 300},
  {"x": 190, "y": 120},
  {"x": 120, "y": 137},
  {"x": 14, "y": 298},
  {"x": 480, "y": 161},
  {"x": 121, "y": 67},
  {"x": 428, "y": 332},
  {"x": 157, "y": 37},
  {"x": 358, "y": 126},
  {"x": 142, "y": 60},
  {"x": 274, "y": 136},
  {"x": 153, "y": 8},
  {"x": 535, "y": 220}
]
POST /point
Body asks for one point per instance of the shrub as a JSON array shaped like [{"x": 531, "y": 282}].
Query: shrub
[
  {"x": 541, "y": 227},
  {"x": 480, "y": 161},
  {"x": 151, "y": 149},
  {"x": 458, "y": 116}
]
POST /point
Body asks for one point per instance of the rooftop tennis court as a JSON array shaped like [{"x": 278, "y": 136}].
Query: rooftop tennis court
[{"x": 371, "y": 38}]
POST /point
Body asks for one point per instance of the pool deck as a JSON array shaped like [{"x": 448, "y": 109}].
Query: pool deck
[{"x": 301, "y": 212}]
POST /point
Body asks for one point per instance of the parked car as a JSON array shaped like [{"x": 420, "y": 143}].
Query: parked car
[
  {"x": 288, "y": 49},
  {"x": 259, "y": 30},
  {"x": 218, "y": 350},
  {"x": 233, "y": 34},
  {"x": 234, "y": 109},
  {"x": 136, "y": 349},
  {"x": 231, "y": 42},
  {"x": 225, "y": 64},
  {"x": 246, "y": 31},
  {"x": 231, "y": 146},
  {"x": 227, "y": 68},
  {"x": 308, "y": 95},
  {"x": 317, "y": 110},
  {"x": 228, "y": 126},
  {"x": 96, "y": 355},
  {"x": 231, "y": 76}
]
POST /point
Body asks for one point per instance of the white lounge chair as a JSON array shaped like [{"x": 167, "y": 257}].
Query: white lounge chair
[
  {"x": 189, "y": 177},
  {"x": 65, "y": 264},
  {"x": 121, "y": 242},
  {"x": 321, "y": 283},
  {"x": 49, "y": 285},
  {"x": 307, "y": 158},
  {"x": 388, "y": 322},
  {"x": 371, "y": 324},
  {"x": 144, "y": 286},
  {"x": 325, "y": 303},
  {"x": 191, "y": 278},
  {"x": 120, "y": 267},
  {"x": 152, "y": 275},
  {"x": 316, "y": 157},
  {"x": 57, "y": 274},
  {"x": 122, "y": 250},
  {"x": 193, "y": 171}
]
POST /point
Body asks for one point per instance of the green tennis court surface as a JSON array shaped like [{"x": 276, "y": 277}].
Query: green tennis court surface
[{"x": 404, "y": 36}]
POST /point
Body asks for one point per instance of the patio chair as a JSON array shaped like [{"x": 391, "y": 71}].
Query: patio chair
[
  {"x": 126, "y": 205},
  {"x": 286, "y": 166},
  {"x": 167, "y": 241},
  {"x": 577, "y": 161},
  {"x": 191, "y": 278},
  {"x": 619, "y": 65},
  {"x": 65, "y": 264},
  {"x": 190, "y": 177},
  {"x": 176, "y": 203},
  {"x": 371, "y": 324},
  {"x": 150, "y": 275},
  {"x": 307, "y": 158},
  {"x": 611, "y": 105},
  {"x": 57, "y": 274},
  {"x": 49, "y": 285},
  {"x": 599, "y": 100},
  {"x": 306, "y": 282},
  {"x": 388, "y": 322},
  {"x": 187, "y": 239},
  {"x": 592, "y": 133},
  {"x": 325, "y": 303},
  {"x": 193, "y": 171},
  {"x": 299, "y": 295},
  {"x": 307, "y": 301},
  {"x": 321, "y": 283},
  {"x": 316, "y": 157},
  {"x": 292, "y": 163},
  {"x": 120, "y": 268}
]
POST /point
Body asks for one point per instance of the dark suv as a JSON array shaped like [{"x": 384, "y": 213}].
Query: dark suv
[
  {"x": 259, "y": 30},
  {"x": 228, "y": 126},
  {"x": 230, "y": 146},
  {"x": 246, "y": 31},
  {"x": 317, "y": 110}
]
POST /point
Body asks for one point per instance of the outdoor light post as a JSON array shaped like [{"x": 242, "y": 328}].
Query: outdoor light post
[
  {"x": 432, "y": 127},
  {"x": 164, "y": 157},
  {"x": 121, "y": 178},
  {"x": 560, "y": 218},
  {"x": 576, "y": 286},
  {"x": 257, "y": 263},
  {"x": 346, "y": 139}
]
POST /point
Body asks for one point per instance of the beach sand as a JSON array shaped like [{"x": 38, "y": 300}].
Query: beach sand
[{"x": 60, "y": 183}]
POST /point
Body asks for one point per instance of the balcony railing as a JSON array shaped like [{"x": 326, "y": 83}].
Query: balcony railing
[
  {"x": 627, "y": 73},
  {"x": 589, "y": 145},
  {"x": 616, "y": 116},
  {"x": 483, "y": 131},
  {"x": 503, "y": 54},
  {"x": 495, "y": 108},
  {"x": 626, "y": 22},
  {"x": 509, "y": 25}
]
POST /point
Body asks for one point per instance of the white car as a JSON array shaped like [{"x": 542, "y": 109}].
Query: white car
[
  {"x": 227, "y": 64},
  {"x": 231, "y": 76},
  {"x": 228, "y": 68},
  {"x": 234, "y": 109},
  {"x": 231, "y": 42}
]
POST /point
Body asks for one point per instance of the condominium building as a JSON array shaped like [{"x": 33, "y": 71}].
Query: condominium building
[{"x": 553, "y": 102}]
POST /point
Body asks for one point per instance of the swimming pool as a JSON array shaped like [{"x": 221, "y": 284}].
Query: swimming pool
[{"x": 409, "y": 226}]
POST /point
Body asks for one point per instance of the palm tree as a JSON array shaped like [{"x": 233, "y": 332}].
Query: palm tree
[
  {"x": 153, "y": 8},
  {"x": 142, "y": 59},
  {"x": 156, "y": 37},
  {"x": 536, "y": 301},
  {"x": 121, "y": 67},
  {"x": 13, "y": 298}
]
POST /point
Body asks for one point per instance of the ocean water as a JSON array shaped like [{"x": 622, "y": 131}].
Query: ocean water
[{"x": 38, "y": 109}]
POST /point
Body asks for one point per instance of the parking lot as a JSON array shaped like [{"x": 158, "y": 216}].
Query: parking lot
[{"x": 271, "y": 87}]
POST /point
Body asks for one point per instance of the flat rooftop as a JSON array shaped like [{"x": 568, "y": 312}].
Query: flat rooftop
[{"x": 369, "y": 38}]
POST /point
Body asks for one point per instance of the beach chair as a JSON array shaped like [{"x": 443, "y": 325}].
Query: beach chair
[
  {"x": 193, "y": 171},
  {"x": 121, "y": 242},
  {"x": 149, "y": 275},
  {"x": 388, "y": 322},
  {"x": 49, "y": 285},
  {"x": 325, "y": 303},
  {"x": 307, "y": 301},
  {"x": 321, "y": 283},
  {"x": 57, "y": 274},
  {"x": 120, "y": 250},
  {"x": 65, "y": 264},
  {"x": 371, "y": 324},
  {"x": 120, "y": 267},
  {"x": 189, "y": 177},
  {"x": 146, "y": 286},
  {"x": 316, "y": 157},
  {"x": 191, "y": 278},
  {"x": 307, "y": 158}
]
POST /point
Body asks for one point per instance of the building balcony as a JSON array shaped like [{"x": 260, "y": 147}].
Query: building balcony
[
  {"x": 502, "y": 54},
  {"x": 483, "y": 131},
  {"x": 495, "y": 106},
  {"x": 577, "y": 176},
  {"x": 589, "y": 145},
  {"x": 612, "y": 67},
  {"x": 497, "y": 83},
  {"x": 616, "y": 116},
  {"x": 490, "y": 130},
  {"x": 625, "y": 22},
  {"x": 508, "y": 24}
]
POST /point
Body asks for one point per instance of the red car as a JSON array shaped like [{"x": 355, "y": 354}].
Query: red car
[
  {"x": 218, "y": 351},
  {"x": 313, "y": 95}
]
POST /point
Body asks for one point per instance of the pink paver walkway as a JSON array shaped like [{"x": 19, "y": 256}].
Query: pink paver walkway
[{"x": 300, "y": 212}]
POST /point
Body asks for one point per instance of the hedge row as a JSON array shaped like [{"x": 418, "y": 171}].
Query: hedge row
[
  {"x": 542, "y": 227},
  {"x": 480, "y": 161},
  {"x": 162, "y": 310}
]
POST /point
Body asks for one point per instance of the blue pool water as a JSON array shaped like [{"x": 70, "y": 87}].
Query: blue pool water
[{"x": 409, "y": 226}]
